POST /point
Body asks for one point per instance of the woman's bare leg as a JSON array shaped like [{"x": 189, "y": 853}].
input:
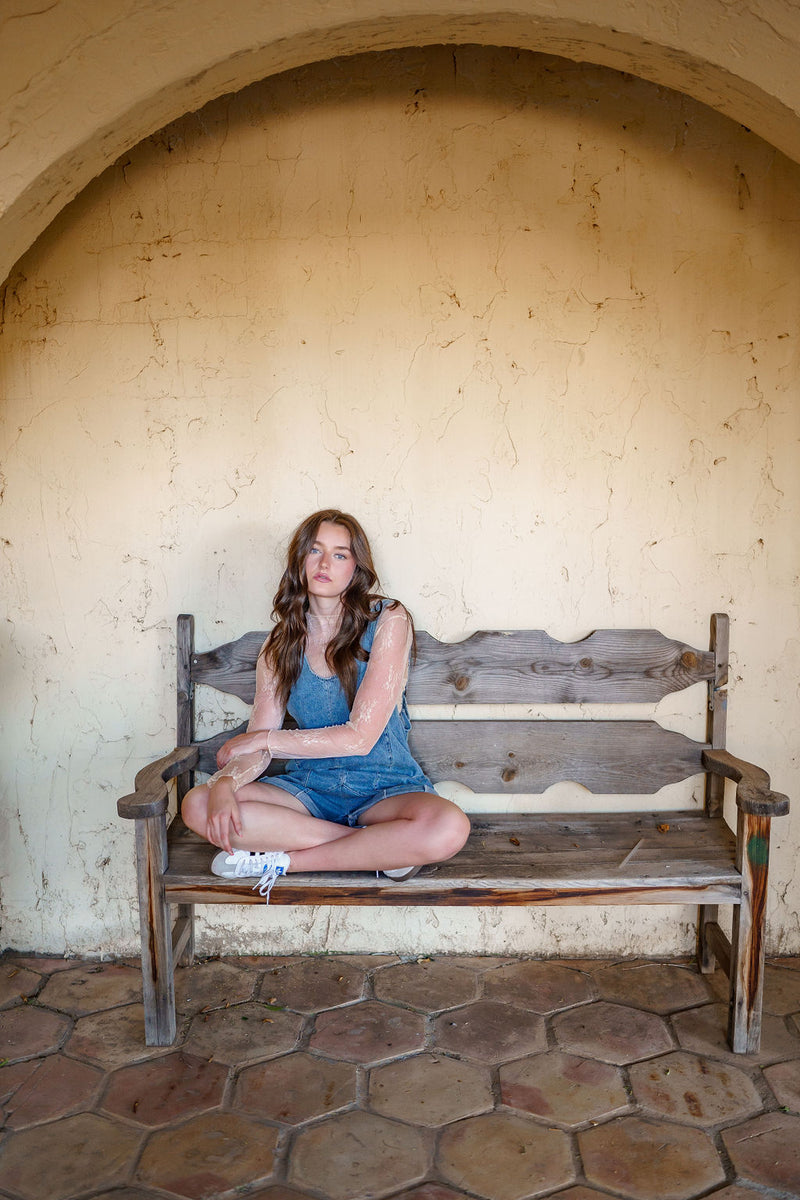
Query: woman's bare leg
[
  {"x": 272, "y": 819},
  {"x": 401, "y": 831}
]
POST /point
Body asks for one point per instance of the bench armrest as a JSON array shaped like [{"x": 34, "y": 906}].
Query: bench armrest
[
  {"x": 150, "y": 798},
  {"x": 753, "y": 793}
]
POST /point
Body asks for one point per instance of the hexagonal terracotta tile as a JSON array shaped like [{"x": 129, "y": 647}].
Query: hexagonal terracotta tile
[
  {"x": 296, "y": 1088},
  {"x": 13, "y": 1075},
  {"x": 112, "y": 1038},
  {"x": 586, "y": 1193},
  {"x": 705, "y": 1031},
  {"x": 67, "y": 1156},
  {"x": 129, "y": 1193},
  {"x": 563, "y": 1088},
  {"x": 430, "y": 1089},
  {"x": 17, "y": 983},
  {"x": 611, "y": 1032},
  {"x": 620, "y": 1156},
  {"x": 504, "y": 1156},
  {"x": 27, "y": 1029},
  {"x": 781, "y": 990},
  {"x": 542, "y": 987},
  {"x": 431, "y": 1191},
  {"x": 208, "y": 985},
  {"x": 57, "y": 1087},
  {"x": 490, "y": 1032},
  {"x": 243, "y": 1033},
  {"x": 660, "y": 987},
  {"x": 429, "y": 986},
  {"x": 766, "y": 1151},
  {"x": 210, "y": 1154},
  {"x": 314, "y": 984},
  {"x": 693, "y": 1089},
  {"x": 369, "y": 1032},
  {"x": 784, "y": 1079},
  {"x": 358, "y": 1155},
  {"x": 166, "y": 1089},
  {"x": 92, "y": 988},
  {"x": 277, "y": 1191}
]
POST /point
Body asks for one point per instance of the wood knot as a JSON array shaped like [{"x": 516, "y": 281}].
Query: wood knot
[
  {"x": 689, "y": 660},
  {"x": 459, "y": 766},
  {"x": 508, "y": 774},
  {"x": 461, "y": 683},
  {"x": 586, "y": 663}
]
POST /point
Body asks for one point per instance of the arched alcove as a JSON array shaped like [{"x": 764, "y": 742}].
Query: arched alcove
[
  {"x": 533, "y": 320},
  {"x": 83, "y": 83}
]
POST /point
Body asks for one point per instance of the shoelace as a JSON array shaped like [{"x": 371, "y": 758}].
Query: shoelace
[{"x": 270, "y": 872}]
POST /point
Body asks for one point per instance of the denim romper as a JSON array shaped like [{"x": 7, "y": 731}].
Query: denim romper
[{"x": 341, "y": 789}]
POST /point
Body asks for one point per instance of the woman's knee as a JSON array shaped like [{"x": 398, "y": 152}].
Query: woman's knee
[
  {"x": 194, "y": 808},
  {"x": 448, "y": 828}
]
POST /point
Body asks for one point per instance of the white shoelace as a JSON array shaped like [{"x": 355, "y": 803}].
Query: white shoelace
[{"x": 263, "y": 863}]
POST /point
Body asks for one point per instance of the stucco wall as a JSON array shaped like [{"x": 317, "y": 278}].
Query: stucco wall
[{"x": 535, "y": 323}]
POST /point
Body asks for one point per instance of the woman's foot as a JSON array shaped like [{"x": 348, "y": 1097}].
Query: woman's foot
[
  {"x": 398, "y": 874},
  {"x": 265, "y": 865}
]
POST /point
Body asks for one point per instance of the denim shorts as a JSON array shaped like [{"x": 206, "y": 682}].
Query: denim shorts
[{"x": 343, "y": 809}]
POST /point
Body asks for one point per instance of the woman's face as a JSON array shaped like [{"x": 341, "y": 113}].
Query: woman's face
[{"x": 330, "y": 563}]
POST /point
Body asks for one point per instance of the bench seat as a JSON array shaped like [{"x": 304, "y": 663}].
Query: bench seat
[{"x": 600, "y": 858}]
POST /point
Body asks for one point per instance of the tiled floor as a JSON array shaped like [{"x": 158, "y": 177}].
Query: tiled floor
[{"x": 346, "y": 1077}]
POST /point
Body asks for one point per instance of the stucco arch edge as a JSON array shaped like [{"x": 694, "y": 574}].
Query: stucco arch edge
[{"x": 107, "y": 104}]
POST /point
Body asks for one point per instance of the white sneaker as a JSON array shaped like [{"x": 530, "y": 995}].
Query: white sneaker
[
  {"x": 401, "y": 873},
  {"x": 268, "y": 865}
]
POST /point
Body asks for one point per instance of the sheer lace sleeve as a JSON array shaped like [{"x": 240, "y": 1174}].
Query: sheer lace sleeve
[
  {"x": 380, "y": 693},
  {"x": 267, "y": 713}
]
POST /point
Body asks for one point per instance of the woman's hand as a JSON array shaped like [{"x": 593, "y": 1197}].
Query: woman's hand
[
  {"x": 224, "y": 816},
  {"x": 243, "y": 743}
]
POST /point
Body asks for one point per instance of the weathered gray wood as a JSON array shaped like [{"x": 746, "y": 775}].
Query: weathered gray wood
[
  {"x": 516, "y": 667},
  {"x": 529, "y": 667},
  {"x": 719, "y": 946},
  {"x": 753, "y": 792},
  {"x": 232, "y": 667},
  {"x": 746, "y": 975},
  {"x": 185, "y": 696},
  {"x": 151, "y": 797},
  {"x": 717, "y": 717},
  {"x": 607, "y": 757},
  {"x": 519, "y": 859},
  {"x": 183, "y": 936},
  {"x": 158, "y": 986}
]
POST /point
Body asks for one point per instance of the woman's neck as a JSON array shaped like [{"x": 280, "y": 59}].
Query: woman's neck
[{"x": 327, "y": 613}]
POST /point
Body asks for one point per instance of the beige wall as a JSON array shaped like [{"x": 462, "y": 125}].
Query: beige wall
[
  {"x": 82, "y": 81},
  {"x": 534, "y": 322}
]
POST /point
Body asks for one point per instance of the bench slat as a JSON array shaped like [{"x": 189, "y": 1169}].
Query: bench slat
[
  {"x": 606, "y": 757},
  {"x": 610, "y": 666},
  {"x": 645, "y": 858}
]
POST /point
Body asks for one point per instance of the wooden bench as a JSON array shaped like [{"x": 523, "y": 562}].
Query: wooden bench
[{"x": 670, "y": 857}]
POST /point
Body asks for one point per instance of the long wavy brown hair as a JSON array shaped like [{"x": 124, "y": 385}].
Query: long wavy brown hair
[{"x": 285, "y": 645}]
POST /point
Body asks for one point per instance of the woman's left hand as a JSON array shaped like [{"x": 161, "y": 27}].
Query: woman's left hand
[{"x": 243, "y": 743}]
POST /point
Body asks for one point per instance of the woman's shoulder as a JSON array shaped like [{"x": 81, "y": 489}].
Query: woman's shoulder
[{"x": 385, "y": 609}]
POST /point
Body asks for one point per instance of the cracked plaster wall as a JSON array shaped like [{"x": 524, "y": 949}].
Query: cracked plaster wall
[{"x": 534, "y": 322}]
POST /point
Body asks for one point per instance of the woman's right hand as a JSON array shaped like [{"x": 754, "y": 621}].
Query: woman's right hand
[{"x": 224, "y": 815}]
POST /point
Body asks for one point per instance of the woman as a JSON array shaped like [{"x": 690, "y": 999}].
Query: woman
[{"x": 352, "y": 797}]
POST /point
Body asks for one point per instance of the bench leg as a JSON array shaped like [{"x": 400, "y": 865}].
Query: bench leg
[
  {"x": 747, "y": 937},
  {"x": 158, "y": 978},
  {"x": 708, "y": 914}
]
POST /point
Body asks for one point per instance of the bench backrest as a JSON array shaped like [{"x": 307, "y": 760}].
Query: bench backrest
[{"x": 521, "y": 667}]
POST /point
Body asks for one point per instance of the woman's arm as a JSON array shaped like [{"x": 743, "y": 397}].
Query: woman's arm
[
  {"x": 379, "y": 694},
  {"x": 243, "y": 758}
]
